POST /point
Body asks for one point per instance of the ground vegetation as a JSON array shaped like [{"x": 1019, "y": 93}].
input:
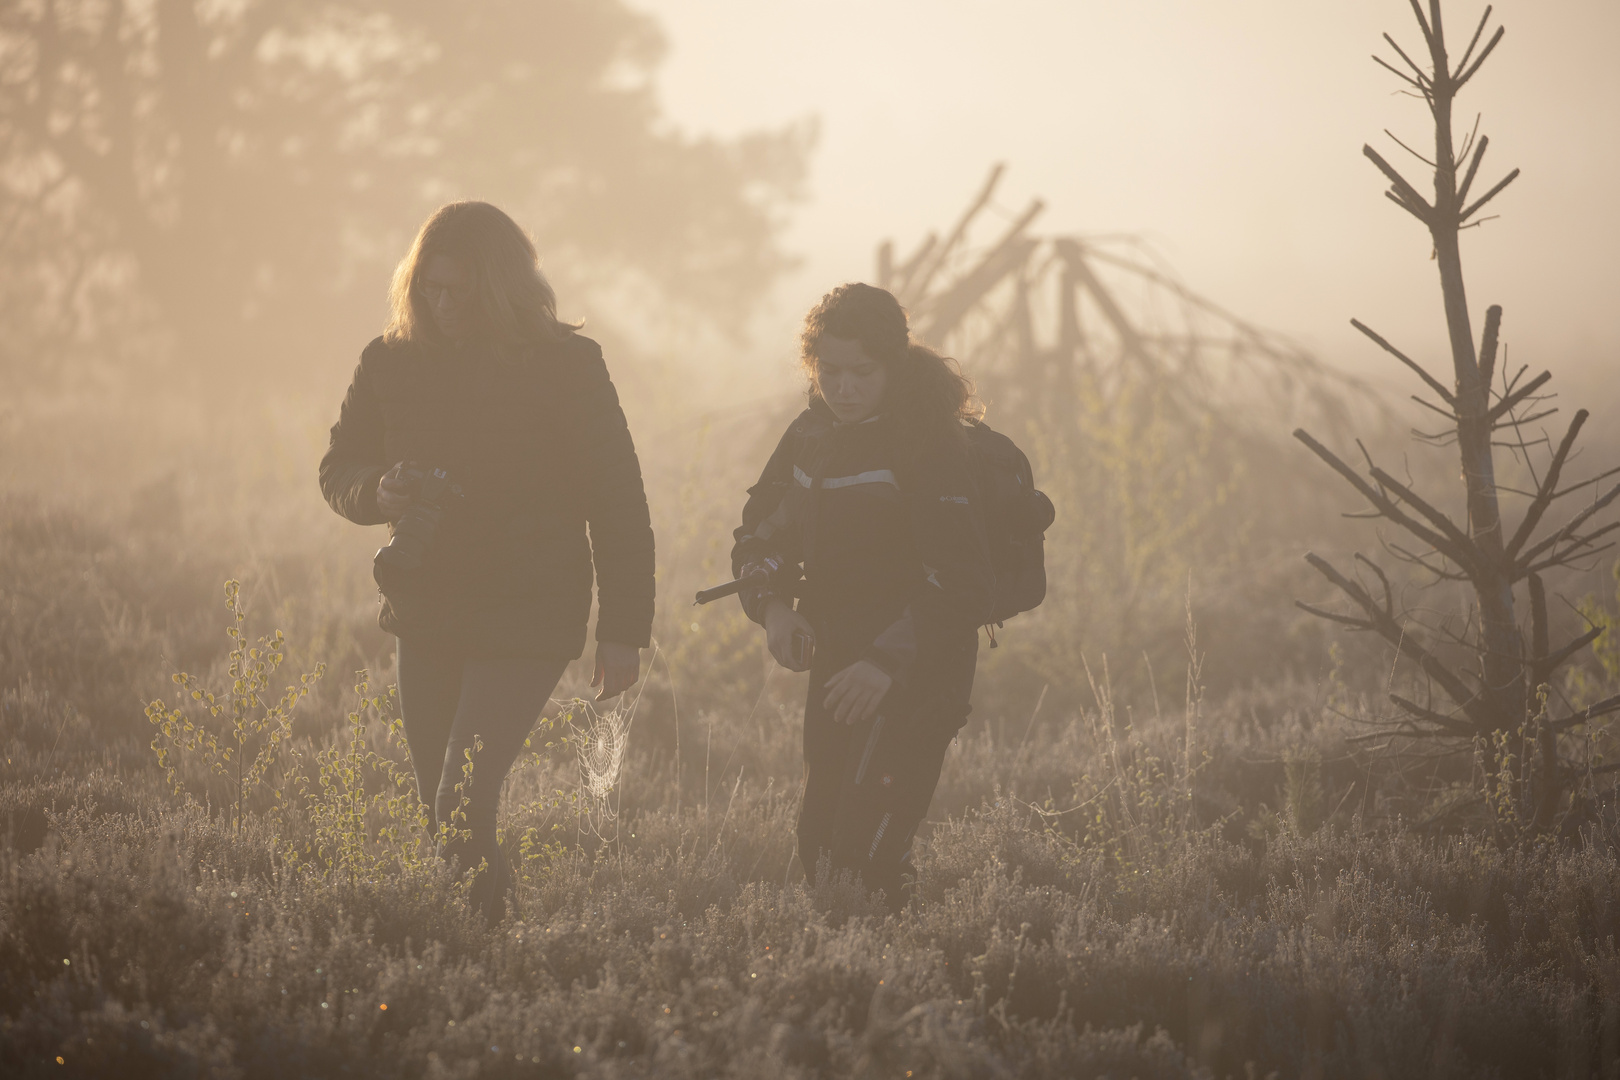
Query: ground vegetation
[{"x": 1160, "y": 847}]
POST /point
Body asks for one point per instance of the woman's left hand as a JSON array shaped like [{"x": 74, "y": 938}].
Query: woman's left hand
[
  {"x": 617, "y": 668},
  {"x": 854, "y": 693}
]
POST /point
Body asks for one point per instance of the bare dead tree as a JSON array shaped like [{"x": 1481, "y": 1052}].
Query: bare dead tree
[
  {"x": 1035, "y": 316},
  {"x": 1153, "y": 411},
  {"x": 1505, "y": 699}
]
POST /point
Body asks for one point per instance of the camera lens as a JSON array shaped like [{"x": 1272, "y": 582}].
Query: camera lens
[{"x": 402, "y": 559}]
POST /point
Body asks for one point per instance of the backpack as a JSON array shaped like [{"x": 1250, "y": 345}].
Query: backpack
[{"x": 1016, "y": 517}]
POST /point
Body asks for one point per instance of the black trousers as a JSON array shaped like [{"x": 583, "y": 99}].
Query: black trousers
[
  {"x": 448, "y": 699},
  {"x": 867, "y": 787}
]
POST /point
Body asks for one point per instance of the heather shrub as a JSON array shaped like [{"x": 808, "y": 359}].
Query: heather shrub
[{"x": 1128, "y": 875}]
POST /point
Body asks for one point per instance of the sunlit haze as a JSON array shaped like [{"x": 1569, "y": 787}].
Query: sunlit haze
[
  {"x": 1228, "y": 134},
  {"x": 809, "y": 538}
]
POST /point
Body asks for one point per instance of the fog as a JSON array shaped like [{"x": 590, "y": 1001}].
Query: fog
[
  {"x": 1228, "y": 134},
  {"x": 1302, "y": 763},
  {"x": 697, "y": 175},
  {"x": 202, "y": 205}
]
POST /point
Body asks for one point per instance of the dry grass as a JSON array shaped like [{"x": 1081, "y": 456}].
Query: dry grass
[{"x": 1119, "y": 886}]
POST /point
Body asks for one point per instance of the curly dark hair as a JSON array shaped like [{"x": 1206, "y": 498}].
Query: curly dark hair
[{"x": 927, "y": 393}]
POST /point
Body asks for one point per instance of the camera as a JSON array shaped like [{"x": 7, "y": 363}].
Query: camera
[
  {"x": 401, "y": 561},
  {"x": 802, "y": 649}
]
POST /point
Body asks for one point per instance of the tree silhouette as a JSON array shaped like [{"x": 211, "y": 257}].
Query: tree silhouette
[
  {"x": 224, "y": 174},
  {"x": 1502, "y": 708}
]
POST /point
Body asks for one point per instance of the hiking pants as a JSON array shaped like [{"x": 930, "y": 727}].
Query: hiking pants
[
  {"x": 867, "y": 787},
  {"x": 447, "y": 699}
]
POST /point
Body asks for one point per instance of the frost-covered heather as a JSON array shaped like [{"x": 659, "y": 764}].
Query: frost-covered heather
[{"x": 1113, "y": 881}]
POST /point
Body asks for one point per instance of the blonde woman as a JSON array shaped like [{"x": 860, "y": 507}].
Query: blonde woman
[{"x": 489, "y": 437}]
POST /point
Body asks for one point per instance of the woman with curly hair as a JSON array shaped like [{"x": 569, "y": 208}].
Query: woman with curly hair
[{"x": 867, "y": 518}]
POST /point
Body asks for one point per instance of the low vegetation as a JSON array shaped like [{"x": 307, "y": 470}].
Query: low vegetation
[
  {"x": 1185, "y": 834},
  {"x": 1125, "y": 889}
]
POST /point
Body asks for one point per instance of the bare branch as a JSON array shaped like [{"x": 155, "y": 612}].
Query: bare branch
[
  {"x": 1450, "y": 725},
  {"x": 1488, "y": 196},
  {"x": 1407, "y": 192},
  {"x": 1470, "y": 138},
  {"x": 1473, "y": 167},
  {"x": 1418, "y": 560},
  {"x": 1365, "y": 456},
  {"x": 1469, "y": 74},
  {"x": 1591, "y": 712},
  {"x": 1507, "y": 403},
  {"x": 1418, "y": 503},
  {"x": 1422, "y": 77},
  {"x": 1463, "y": 63},
  {"x": 1487, "y": 346},
  {"x": 1347, "y": 620},
  {"x": 1516, "y": 422},
  {"x": 1392, "y": 632},
  {"x": 1556, "y": 659},
  {"x": 1575, "y": 551},
  {"x": 926, "y": 273},
  {"x": 908, "y": 269},
  {"x": 1389, "y": 595},
  {"x": 1404, "y": 205},
  {"x": 1428, "y": 35},
  {"x": 1509, "y": 383},
  {"x": 1604, "y": 475},
  {"x": 1434, "y": 384},
  {"x": 1546, "y": 489},
  {"x": 1575, "y": 522},
  {"x": 1399, "y": 74},
  {"x": 1408, "y": 149},
  {"x": 1439, "y": 438},
  {"x": 1430, "y": 405},
  {"x": 1390, "y": 510},
  {"x": 1352, "y": 589}
]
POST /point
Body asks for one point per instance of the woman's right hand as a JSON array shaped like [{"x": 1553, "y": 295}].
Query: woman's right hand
[
  {"x": 781, "y": 624},
  {"x": 394, "y": 492}
]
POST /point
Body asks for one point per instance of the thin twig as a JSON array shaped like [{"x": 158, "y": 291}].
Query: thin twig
[
  {"x": 1434, "y": 384},
  {"x": 1548, "y": 484},
  {"x": 1469, "y": 74},
  {"x": 1480, "y": 29},
  {"x": 1473, "y": 167},
  {"x": 1408, "y": 149}
]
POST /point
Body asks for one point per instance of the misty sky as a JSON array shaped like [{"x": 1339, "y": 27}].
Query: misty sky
[{"x": 1227, "y": 133}]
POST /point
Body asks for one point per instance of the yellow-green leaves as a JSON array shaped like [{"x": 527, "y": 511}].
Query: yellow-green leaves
[{"x": 258, "y": 726}]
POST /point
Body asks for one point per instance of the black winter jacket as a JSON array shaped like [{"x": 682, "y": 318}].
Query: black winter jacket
[
  {"x": 896, "y": 570},
  {"x": 541, "y": 450}
]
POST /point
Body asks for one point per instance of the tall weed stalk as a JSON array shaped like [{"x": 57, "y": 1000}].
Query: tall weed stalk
[{"x": 257, "y": 727}]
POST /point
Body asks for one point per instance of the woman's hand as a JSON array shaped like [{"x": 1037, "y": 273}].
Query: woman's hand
[
  {"x": 781, "y": 624},
  {"x": 394, "y": 493},
  {"x": 617, "y": 668},
  {"x": 854, "y": 693}
]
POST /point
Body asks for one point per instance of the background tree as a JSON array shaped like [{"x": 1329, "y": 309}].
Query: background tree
[
  {"x": 1500, "y": 704},
  {"x": 218, "y": 176}
]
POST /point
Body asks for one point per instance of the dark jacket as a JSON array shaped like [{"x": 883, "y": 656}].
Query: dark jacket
[
  {"x": 540, "y": 448},
  {"x": 895, "y": 566}
]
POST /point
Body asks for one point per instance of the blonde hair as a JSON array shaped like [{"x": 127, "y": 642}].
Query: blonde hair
[{"x": 512, "y": 302}]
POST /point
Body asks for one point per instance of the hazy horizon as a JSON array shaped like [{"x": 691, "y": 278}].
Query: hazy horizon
[{"x": 1228, "y": 136}]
